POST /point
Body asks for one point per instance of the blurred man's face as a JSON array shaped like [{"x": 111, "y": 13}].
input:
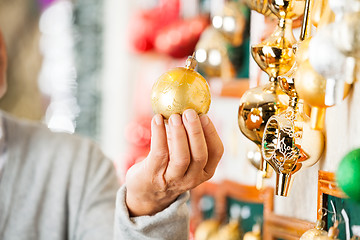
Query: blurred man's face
[{"x": 3, "y": 66}]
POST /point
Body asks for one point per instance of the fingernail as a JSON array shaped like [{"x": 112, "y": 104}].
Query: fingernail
[
  {"x": 158, "y": 119},
  {"x": 175, "y": 120},
  {"x": 190, "y": 115},
  {"x": 204, "y": 120}
]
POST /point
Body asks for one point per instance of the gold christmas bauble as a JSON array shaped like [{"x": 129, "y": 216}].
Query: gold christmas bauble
[
  {"x": 257, "y": 105},
  {"x": 310, "y": 85},
  {"x": 180, "y": 89}
]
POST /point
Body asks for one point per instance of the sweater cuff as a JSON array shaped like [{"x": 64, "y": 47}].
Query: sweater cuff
[{"x": 171, "y": 223}]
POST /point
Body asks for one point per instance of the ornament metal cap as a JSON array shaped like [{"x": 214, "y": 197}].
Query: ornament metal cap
[{"x": 191, "y": 62}]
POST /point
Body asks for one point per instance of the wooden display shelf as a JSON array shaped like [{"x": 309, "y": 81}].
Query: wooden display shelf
[{"x": 274, "y": 226}]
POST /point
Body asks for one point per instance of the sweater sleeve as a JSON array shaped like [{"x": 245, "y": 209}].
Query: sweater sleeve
[
  {"x": 170, "y": 224},
  {"x": 92, "y": 196},
  {"x": 97, "y": 203}
]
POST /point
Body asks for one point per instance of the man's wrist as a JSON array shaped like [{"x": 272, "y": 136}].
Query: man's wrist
[{"x": 141, "y": 207}]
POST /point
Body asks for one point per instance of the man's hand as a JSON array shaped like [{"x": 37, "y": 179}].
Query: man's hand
[{"x": 183, "y": 154}]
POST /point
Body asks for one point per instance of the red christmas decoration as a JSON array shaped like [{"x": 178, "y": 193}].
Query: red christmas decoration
[
  {"x": 145, "y": 24},
  {"x": 179, "y": 39}
]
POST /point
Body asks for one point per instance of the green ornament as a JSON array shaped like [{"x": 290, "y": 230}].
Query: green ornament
[{"x": 348, "y": 174}]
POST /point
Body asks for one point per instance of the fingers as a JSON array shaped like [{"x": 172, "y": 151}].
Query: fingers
[
  {"x": 197, "y": 143},
  {"x": 159, "y": 154},
  {"x": 179, "y": 154},
  {"x": 214, "y": 145},
  {"x": 187, "y": 151}
]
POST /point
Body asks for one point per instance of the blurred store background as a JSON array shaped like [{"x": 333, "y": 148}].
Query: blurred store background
[{"x": 87, "y": 67}]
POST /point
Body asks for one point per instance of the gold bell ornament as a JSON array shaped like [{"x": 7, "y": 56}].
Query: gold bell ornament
[
  {"x": 315, "y": 232},
  {"x": 255, "y": 234},
  {"x": 232, "y": 22},
  {"x": 180, "y": 89},
  {"x": 289, "y": 144},
  {"x": 212, "y": 55}
]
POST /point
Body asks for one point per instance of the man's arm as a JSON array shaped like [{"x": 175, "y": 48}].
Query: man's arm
[
  {"x": 171, "y": 223},
  {"x": 92, "y": 200}
]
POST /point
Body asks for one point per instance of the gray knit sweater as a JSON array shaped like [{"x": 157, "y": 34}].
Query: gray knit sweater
[{"x": 56, "y": 186}]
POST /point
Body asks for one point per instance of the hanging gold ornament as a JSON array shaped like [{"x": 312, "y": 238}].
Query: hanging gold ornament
[
  {"x": 180, "y": 89},
  {"x": 212, "y": 55},
  {"x": 230, "y": 231},
  {"x": 311, "y": 87},
  {"x": 255, "y": 234},
  {"x": 232, "y": 22},
  {"x": 276, "y": 57},
  {"x": 207, "y": 229},
  {"x": 288, "y": 143},
  {"x": 257, "y": 105},
  {"x": 315, "y": 232}
]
